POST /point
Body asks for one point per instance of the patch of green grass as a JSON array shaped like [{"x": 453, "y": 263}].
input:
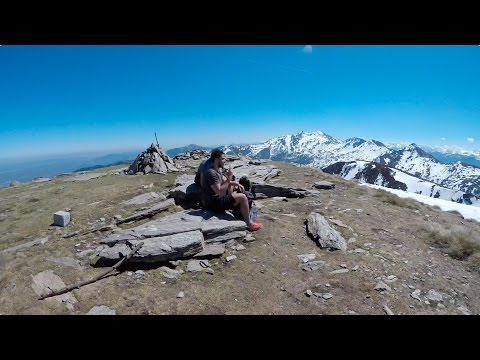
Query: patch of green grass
[{"x": 393, "y": 199}]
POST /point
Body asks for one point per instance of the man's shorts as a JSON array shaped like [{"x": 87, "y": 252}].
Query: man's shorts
[{"x": 222, "y": 203}]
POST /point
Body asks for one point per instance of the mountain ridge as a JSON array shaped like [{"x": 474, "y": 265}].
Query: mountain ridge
[{"x": 320, "y": 150}]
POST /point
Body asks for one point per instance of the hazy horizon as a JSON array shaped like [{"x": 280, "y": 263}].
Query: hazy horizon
[{"x": 28, "y": 168}]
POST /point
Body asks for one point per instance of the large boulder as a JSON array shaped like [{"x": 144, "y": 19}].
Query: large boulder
[{"x": 319, "y": 230}]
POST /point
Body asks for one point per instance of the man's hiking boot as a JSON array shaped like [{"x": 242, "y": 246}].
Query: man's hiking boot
[{"x": 254, "y": 226}]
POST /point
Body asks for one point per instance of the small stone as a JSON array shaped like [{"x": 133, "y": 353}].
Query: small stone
[
  {"x": 359, "y": 251},
  {"x": 327, "y": 296},
  {"x": 416, "y": 295},
  {"x": 387, "y": 310},
  {"x": 204, "y": 263},
  {"x": 209, "y": 271},
  {"x": 381, "y": 286},
  {"x": 180, "y": 295},
  {"x": 230, "y": 258},
  {"x": 307, "y": 257},
  {"x": 249, "y": 238},
  {"x": 464, "y": 310},
  {"x": 308, "y": 293},
  {"x": 339, "y": 271},
  {"x": 343, "y": 266}
]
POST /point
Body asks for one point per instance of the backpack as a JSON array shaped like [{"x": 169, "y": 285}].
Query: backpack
[{"x": 246, "y": 183}]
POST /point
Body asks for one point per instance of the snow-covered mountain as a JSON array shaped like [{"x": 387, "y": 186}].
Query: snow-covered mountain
[
  {"x": 315, "y": 149},
  {"x": 320, "y": 150},
  {"x": 451, "y": 154},
  {"x": 414, "y": 161},
  {"x": 377, "y": 174}
]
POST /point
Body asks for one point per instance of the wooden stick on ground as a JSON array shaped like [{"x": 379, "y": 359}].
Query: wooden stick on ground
[{"x": 80, "y": 284}]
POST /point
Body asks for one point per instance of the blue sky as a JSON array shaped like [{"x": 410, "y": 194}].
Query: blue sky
[{"x": 63, "y": 99}]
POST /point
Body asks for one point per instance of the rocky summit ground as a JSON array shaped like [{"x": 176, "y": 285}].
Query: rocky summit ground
[{"x": 402, "y": 257}]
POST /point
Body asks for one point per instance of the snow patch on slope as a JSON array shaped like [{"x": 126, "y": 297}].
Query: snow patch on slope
[{"x": 467, "y": 211}]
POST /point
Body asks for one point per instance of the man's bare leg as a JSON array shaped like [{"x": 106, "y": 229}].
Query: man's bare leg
[{"x": 242, "y": 201}]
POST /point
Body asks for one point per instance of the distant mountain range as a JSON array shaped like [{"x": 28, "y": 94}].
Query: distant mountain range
[
  {"x": 409, "y": 168},
  {"x": 28, "y": 169},
  {"x": 446, "y": 154},
  {"x": 440, "y": 172}
]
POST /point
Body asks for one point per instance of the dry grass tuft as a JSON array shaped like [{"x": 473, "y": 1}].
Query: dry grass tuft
[
  {"x": 459, "y": 242},
  {"x": 393, "y": 199}
]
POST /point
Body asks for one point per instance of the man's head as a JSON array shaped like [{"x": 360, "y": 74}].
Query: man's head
[{"x": 217, "y": 157}]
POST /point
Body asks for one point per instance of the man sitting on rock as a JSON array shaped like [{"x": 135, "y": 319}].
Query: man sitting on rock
[{"x": 217, "y": 190}]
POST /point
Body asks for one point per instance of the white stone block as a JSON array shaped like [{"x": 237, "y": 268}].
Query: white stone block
[{"x": 61, "y": 218}]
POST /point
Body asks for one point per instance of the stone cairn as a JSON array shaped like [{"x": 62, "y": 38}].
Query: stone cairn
[{"x": 153, "y": 160}]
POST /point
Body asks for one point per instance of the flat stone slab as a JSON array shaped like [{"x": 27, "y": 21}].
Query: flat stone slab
[
  {"x": 65, "y": 261},
  {"x": 177, "y": 236},
  {"x": 25, "y": 245},
  {"x": 148, "y": 212},
  {"x": 326, "y": 185},
  {"x": 46, "y": 282},
  {"x": 278, "y": 190},
  {"x": 196, "y": 266},
  {"x": 211, "y": 251},
  {"x": 158, "y": 249},
  {"x": 144, "y": 198}
]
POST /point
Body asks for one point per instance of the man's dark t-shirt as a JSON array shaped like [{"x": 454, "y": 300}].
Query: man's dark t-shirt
[
  {"x": 208, "y": 178},
  {"x": 205, "y": 165}
]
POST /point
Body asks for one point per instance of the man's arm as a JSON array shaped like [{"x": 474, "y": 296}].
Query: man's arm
[{"x": 221, "y": 190}]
